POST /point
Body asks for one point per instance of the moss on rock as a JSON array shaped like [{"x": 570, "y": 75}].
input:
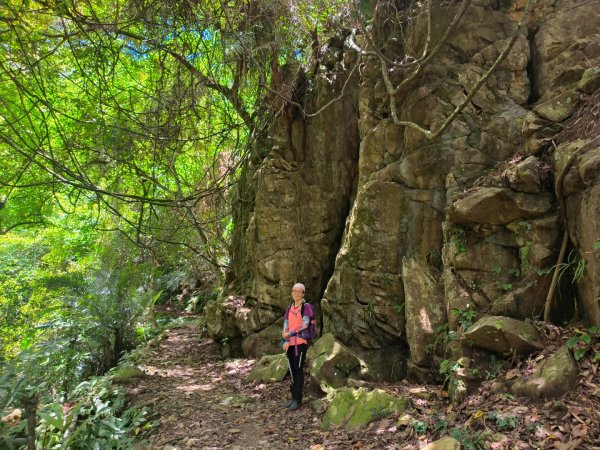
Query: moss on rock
[
  {"x": 269, "y": 369},
  {"x": 355, "y": 408}
]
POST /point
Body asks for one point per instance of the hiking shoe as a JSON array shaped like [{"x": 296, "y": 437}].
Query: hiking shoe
[
  {"x": 288, "y": 404},
  {"x": 294, "y": 406}
]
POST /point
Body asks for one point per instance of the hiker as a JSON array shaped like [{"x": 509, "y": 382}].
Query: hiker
[{"x": 297, "y": 318}]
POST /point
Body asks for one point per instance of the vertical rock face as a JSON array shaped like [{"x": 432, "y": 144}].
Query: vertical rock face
[
  {"x": 566, "y": 45},
  {"x": 396, "y": 235},
  {"x": 567, "y": 83},
  {"x": 388, "y": 283},
  {"x": 300, "y": 195},
  {"x": 425, "y": 309},
  {"x": 581, "y": 189},
  {"x": 303, "y": 191}
]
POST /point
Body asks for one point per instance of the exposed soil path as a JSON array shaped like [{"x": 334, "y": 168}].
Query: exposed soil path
[
  {"x": 202, "y": 402},
  {"x": 198, "y": 400}
]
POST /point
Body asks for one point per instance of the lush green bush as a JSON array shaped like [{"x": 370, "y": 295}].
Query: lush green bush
[
  {"x": 70, "y": 312},
  {"x": 92, "y": 416}
]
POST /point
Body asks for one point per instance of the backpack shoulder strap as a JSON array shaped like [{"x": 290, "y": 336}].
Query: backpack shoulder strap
[
  {"x": 287, "y": 312},
  {"x": 310, "y": 312}
]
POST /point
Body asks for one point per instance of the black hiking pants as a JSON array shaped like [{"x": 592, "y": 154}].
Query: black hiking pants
[{"x": 296, "y": 362}]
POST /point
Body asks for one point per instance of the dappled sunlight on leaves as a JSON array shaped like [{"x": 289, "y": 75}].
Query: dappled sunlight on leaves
[{"x": 200, "y": 400}]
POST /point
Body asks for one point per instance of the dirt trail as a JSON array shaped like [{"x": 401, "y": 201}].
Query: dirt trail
[
  {"x": 202, "y": 403},
  {"x": 199, "y": 401}
]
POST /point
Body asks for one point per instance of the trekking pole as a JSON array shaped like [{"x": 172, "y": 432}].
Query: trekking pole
[{"x": 290, "y": 367}]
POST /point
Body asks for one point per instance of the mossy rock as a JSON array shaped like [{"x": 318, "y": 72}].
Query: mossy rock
[
  {"x": 590, "y": 80},
  {"x": 127, "y": 375},
  {"x": 551, "y": 378},
  {"x": 559, "y": 107},
  {"x": 504, "y": 335},
  {"x": 353, "y": 409},
  {"x": 332, "y": 363},
  {"x": 269, "y": 369},
  {"x": 457, "y": 390}
]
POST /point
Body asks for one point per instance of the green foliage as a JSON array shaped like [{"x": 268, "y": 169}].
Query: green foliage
[
  {"x": 442, "y": 338},
  {"x": 99, "y": 416},
  {"x": 72, "y": 302},
  {"x": 40, "y": 272},
  {"x": 584, "y": 342},
  {"x": 448, "y": 367},
  {"x": 495, "y": 368},
  {"x": 441, "y": 425},
  {"x": 465, "y": 316},
  {"x": 579, "y": 270},
  {"x": 399, "y": 308},
  {"x": 197, "y": 301},
  {"x": 503, "y": 421},
  {"x": 368, "y": 313},
  {"x": 92, "y": 415},
  {"x": 574, "y": 265},
  {"x": 420, "y": 427},
  {"x": 124, "y": 128},
  {"x": 469, "y": 439},
  {"x": 151, "y": 121},
  {"x": 70, "y": 311},
  {"x": 458, "y": 240}
]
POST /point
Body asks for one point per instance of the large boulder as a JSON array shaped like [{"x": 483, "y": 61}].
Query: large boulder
[
  {"x": 566, "y": 54},
  {"x": 234, "y": 317},
  {"x": 504, "y": 335},
  {"x": 362, "y": 300},
  {"x": 405, "y": 181},
  {"x": 529, "y": 175},
  {"x": 265, "y": 342},
  {"x": 525, "y": 301},
  {"x": 386, "y": 364},
  {"x": 557, "y": 107},
  {"x": 342, "y": 198},
  {"x": 498, "y": 269},
  {"x": 537, "y": 133},
  {"x": 331, "y": 363},
  {"x": 551, "y": 378},
  {"x": 269, "y": 369},
  {"x": 354, "y": 409},
  {"x": 538, "y": 242},
  {"x": 485, "y": 256},
  {"x": 496, "y": 205},
  {"x": 220, "y": 316}
]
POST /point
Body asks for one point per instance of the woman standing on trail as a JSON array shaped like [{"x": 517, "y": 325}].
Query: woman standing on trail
[{"x": 294, "y": 321}]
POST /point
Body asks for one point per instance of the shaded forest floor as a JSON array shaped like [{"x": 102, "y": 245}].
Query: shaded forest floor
[{"x": 198, "y": 400}]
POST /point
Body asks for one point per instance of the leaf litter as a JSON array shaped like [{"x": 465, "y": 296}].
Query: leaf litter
[{"x": 199, "y": 400}]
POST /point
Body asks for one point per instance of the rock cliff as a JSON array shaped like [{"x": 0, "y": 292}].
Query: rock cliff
[{"x": 399, "y": 237}]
